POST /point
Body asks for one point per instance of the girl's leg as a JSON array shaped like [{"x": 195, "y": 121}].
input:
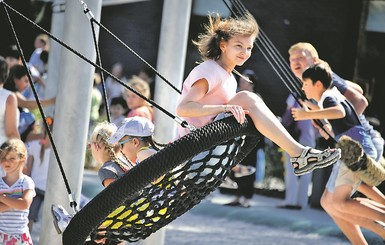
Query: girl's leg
[
  {"x": 304, "y": 159},
  {"x": 267, "y": 123}
]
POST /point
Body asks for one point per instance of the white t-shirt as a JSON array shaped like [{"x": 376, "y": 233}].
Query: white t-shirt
[
  {"x": 39, "y": 169},
  {"x": 15, "y": 221},
  {"x": 4, "y": 93}
]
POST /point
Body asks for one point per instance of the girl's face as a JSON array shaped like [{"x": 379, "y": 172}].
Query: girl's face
[
  {"x": 237, "y": 50},
  {"x": 12, "y": 163},
  {"x": 21, "y": 83},
  {"x": 133, "y": 100}
]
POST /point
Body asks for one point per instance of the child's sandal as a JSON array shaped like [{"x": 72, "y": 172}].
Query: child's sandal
[{"x": 308, "y": 160}]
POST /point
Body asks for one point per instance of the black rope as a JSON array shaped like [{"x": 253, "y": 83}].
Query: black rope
[
  {"x": 99, "y": 59},
  {"x": 180, "y": 121},
  {"x": 73, "y": 203},
  {"x": 89, "y": 13},
  {"x": 272, "y": 54}
]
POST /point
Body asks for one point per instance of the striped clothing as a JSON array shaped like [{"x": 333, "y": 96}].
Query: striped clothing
[{"x": 15, "y": 221}]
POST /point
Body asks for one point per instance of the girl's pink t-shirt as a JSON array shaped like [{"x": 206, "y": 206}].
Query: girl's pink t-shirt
[{"x": 222, "y": 87}]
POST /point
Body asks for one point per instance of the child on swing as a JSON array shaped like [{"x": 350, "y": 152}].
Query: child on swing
[
  {"x": 119, "y": 150},
  {"x": 210, "y": 89},
  {"x": 16, "y": 193}
]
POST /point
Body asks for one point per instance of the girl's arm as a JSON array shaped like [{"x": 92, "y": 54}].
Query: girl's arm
[
  {"x": 28, "y": 169},
  {"x": 32, "y": 104},
  {"x": 10, "y": 117},
  {"x": 189, "y": 107},
  {"x": 18, "y": 203},
  {"x": 4, "y": 207},
  {"x": 334, "y": 112}
]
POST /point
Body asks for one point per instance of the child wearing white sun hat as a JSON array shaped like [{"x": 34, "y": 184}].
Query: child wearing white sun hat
[{"x": 134, "y": 136}]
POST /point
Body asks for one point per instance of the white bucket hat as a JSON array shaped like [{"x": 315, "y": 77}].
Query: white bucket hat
[{"x": 133, "y": 126}]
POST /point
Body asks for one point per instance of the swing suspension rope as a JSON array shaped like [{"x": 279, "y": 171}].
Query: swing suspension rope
[
  {"x": 275, "y": 59},
  {"x": 180, "y": 121},
  {"x": 183, "y": 123},
  {"x": 144, "y": 222},
  {"x": 72, "y": 201}
]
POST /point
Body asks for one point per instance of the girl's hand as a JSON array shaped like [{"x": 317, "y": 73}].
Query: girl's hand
[{"x": 238, "y": 112}]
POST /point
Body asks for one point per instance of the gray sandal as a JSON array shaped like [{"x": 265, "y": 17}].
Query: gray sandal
[{"x": 308, "y": 161}]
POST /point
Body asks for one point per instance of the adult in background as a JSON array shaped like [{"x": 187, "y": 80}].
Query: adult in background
[{"x": 296, "y": 197}]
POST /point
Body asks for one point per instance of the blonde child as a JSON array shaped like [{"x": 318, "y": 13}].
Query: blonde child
[
  {"x": 16, "y": 193},
  {"x": 118, "y": 150},
  {"x": 114, "y": 163},
  {"x": 137, "y": 105},
  {"x": 134, "y": 136}
]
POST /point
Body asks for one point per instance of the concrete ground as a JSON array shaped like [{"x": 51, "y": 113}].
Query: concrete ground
[
  {"x": 263, "y": 223},
  {"x": 212, "y": 223}
]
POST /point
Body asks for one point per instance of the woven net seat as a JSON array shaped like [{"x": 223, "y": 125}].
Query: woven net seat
[{"x": 165, "y": 185}]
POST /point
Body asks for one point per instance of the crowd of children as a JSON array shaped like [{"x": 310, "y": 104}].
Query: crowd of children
[{"x": 210, "y": 89}]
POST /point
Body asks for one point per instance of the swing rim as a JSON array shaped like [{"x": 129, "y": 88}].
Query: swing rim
[{"x": 127, "y": 187}]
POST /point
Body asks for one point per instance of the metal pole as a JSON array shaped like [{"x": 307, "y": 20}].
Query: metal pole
[
  {"x": 74, "y": 84},
  {"x": 171, "y": 63}
]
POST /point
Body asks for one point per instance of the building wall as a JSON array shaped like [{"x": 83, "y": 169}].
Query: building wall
[{"x": 138, "y": 26}]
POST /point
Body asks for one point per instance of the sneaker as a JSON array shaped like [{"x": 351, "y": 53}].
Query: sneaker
[
  {"x": 61, "y": 218},
  {"x": 308, "y": 160},
  {"x": 234, "y": 203},
  {"x": 245, "y": 203},
  {"x": 229, "y": 184},
  {"x": 244, "y": 171}
]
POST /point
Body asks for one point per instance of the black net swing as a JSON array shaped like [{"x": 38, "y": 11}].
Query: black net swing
[
  {"x": 164, "y": 186},
  {"x": 138, "y": 204}
]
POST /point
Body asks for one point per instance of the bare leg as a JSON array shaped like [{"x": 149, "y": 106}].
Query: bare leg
[
  {"x": 351, "y": 231},
  {"x": 362, "y": 213},
  {"x": 267, "y": 123},
  {"x": 372, "y": 192},
  {"x": 365, "y": 209}
]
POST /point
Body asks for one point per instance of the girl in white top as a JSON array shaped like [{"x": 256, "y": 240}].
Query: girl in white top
[
  {"x": 9, "y": 114},
  {"x": 210, "y": 89},
  {"x": 16, "y": 193},
  {"x": 37, "y": 168}
]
